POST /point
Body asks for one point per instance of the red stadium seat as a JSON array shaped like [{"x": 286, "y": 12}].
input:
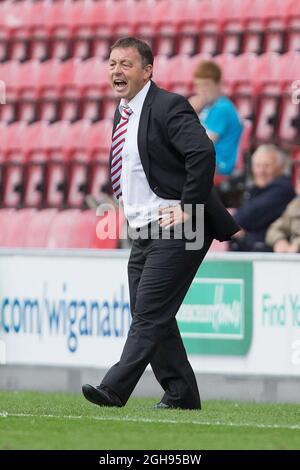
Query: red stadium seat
[
  {"x": 180, "y": 69},
  {"x": 9, "y": 74},
  {"x": 208, "y": 27},
  {"x": 78, "y": 160},
  {"x": 179, "y": 27},
  {"x": 37, "y": 230},
  {"x": 98, "y": 99},
  {"x": 268, "y": 69},
  {"x": 13, "y": 167},
  {"x": 91, "y": 81},
  {"x": 16, "y": 20},
  {"x": 232, "y": 23},
  {"x": 4, "y": 32},
  {"x": 245, "y": 145},
  {"x": 99, "y": 176},
  {"x": 35, "y": 166},
  {"x": 187, "y": 30},
  {"x": 92, "y": 230},
  {"x": 62, "y": 228},
  {"x": 269, "y": 73},
  {"x": 15, "y": 232},
  {"x": 161, "y": 71},
  {"x": 111, "y": 223},
  {"x": 292, "y": 15},
  {"x": 99, "y": 19},
  {"x": 271, "y": 82},
  {"x": 48, "y": 90},
  {"x": 75, "y": 229},
  {"x": 37, "y": 24},
  {"x": 253, "y": 28},
  {"x": 58, "y": 29},
  {"x": 175, "y": 27},
  {"x": 5, "y": 218},
  {"x": 80, "y": 28},
  {"x": 3, "y": 140},
  {"x": 273, "y": 16},
  {"x": 267, "y": 117},
  {"x": 27, "y": 85},
  {"x": 99, "y": 142},
  {"x": 99, "y": 145},
  {"x": 249, "y": 75},
  {"x": 141, "y": 18},
  {"x": 289, "y": 125},
  {"x": 164, "y": 27},
  {"x": 56, "y": 174},
  {"x": 69, "y": 94},
  {"x": 120, "y": 14}
]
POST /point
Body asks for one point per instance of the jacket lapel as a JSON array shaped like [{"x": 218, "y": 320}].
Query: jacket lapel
[{"x": 143, "y": 128}]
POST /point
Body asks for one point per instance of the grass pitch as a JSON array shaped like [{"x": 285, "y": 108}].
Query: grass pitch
[{"x": 63, "y": 421}]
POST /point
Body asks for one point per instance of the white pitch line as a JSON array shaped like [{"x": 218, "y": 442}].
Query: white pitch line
[{"x": 5, "y": 414}]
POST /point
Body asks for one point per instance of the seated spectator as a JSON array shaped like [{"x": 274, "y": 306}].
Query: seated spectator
[
  {"x": 265, "y": 201},
  {"x": 218, "y": 115},
  {"x": 284, "y": 234}
]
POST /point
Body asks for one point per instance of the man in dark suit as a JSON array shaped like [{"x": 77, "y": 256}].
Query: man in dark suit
[{"x": 162, "y": 167}]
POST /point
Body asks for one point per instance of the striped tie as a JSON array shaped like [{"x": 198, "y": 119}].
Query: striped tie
[{"x": 118, "y": 141}]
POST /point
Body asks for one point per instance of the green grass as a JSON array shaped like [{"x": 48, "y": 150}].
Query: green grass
[{"x": 76, "y": 424}]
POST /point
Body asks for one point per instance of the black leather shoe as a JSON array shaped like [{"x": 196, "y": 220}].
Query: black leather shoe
[
  {"x": 100, "y": 397},
  {"x": 164, "y": 406}
]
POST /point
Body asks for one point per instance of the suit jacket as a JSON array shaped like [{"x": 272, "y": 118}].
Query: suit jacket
[{"x": 178, "y": 157}]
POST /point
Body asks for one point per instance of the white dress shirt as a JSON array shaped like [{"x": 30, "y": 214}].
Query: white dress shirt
[{"x": 141, "y": 204}]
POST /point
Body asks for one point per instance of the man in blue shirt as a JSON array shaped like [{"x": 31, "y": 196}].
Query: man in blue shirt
[{"x": 218, "y": 115}]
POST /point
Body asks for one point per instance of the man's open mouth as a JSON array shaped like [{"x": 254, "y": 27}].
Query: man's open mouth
[{"x": 120, "y": 84}]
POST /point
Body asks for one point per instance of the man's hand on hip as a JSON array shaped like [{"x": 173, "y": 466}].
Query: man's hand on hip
[{"x": 171, "y": 216}]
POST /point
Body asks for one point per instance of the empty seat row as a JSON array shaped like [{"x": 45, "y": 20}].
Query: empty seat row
[
  {"x": 37, "y": 90},
  {"x": 61, "y": 141},
  {"x": 50, "y": 228},
  {"x": 262, "y": 88},
  {"x": 58, "y": 165},
  {"x": 71, "y": 228},
  {"x": 41, "y": 30},
  {"x": 54, "y": 165},
  {"x": 76, "y": 78}
]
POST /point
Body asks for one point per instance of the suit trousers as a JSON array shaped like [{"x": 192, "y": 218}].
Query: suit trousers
[{"x": 160, "y": 272}]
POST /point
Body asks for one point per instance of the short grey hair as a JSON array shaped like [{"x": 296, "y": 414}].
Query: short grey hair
[{"x": 281, "y": 156}]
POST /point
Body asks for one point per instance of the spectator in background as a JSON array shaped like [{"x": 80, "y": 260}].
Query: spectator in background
[
  {"x": 272, "y": 190},
  {"x": 218, "y": 115},
  {"x": 284, "y": 234}
]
